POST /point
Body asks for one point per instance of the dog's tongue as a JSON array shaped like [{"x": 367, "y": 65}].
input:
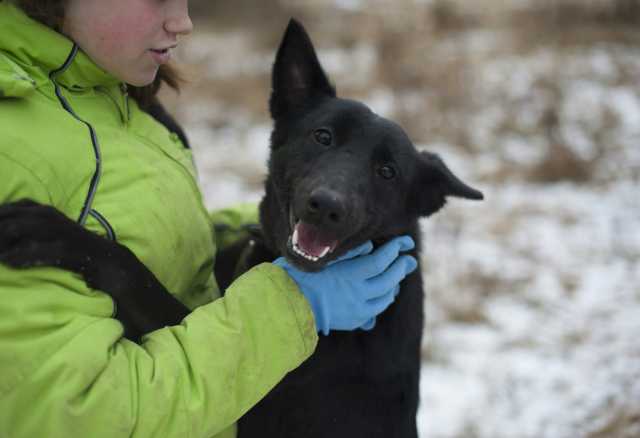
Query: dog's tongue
[{"x": 311, "y": 240}]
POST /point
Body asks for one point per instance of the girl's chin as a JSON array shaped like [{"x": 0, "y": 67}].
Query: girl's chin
[{"x": 142, "y": 80}]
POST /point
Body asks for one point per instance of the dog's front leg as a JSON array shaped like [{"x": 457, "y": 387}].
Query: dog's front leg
[{"x": 33, "y": 234}]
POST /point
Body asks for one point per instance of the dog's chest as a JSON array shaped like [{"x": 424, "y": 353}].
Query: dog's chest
[{"x": 391, "y": 348}]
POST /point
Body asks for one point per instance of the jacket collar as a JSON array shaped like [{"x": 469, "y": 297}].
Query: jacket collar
[{"x": 42, "y": 52}]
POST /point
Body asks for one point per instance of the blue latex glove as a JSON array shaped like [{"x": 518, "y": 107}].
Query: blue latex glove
[{"x": 351, "y": 291}]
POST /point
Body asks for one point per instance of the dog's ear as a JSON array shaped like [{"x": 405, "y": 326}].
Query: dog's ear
[
  {"x": 433, "y": 183},
  {"x": 297, "y": 74}
]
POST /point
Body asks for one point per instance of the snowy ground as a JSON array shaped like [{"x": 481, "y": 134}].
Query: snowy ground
[
  {"x": 534, "y": 314},
  {"x": 533, "y": 296}
]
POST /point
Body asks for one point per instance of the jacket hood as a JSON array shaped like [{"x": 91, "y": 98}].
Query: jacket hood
[{"x": 30, "y": 52}]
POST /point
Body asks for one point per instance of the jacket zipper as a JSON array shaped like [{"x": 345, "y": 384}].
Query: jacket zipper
[
  {"x": 123, "y": 107},
  {"x": 125, "y": 94}
]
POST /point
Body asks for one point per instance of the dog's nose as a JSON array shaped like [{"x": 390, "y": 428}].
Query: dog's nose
[{"x": 326, "y": 206}]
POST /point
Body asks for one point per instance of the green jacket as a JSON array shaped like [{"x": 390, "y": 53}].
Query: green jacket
[{"x": 69, "y": 137}]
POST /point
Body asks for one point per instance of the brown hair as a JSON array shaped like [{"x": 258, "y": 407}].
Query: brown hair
[{"x": 51, "y": 14}]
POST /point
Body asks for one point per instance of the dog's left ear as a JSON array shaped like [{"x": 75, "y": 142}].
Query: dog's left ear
[
  {"x": 433, "y": 183},
  {"x": 297, "y": 76}
]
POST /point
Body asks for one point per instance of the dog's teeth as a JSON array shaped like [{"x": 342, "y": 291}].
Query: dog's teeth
[
  {"x": 324, "y": 252},
  {"x": 301, "y": 253},
  {"x": 294, "y": 238}
]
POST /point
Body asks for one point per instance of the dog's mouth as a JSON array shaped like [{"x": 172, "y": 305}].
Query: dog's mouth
[{"x": 310, "y": 244}]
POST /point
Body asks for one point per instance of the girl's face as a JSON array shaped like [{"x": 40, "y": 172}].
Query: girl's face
[{"x": 128, "y": 38}]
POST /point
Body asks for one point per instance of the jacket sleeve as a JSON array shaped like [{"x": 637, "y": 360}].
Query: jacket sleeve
[
  {"x": 233, "y": 223},
  {"x": 64, "y": 367}
]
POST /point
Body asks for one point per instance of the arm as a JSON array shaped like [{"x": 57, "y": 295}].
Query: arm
[
  {"x": 240, "y": 244},
  {"x": 233, "y": 224},
  {"x": 64, "y": 364}
]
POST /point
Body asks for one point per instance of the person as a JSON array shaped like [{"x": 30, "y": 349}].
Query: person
[{"x": 75, "y": 79}]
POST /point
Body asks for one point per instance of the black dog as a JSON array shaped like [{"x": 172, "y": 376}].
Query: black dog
[{"x": 339, "y": 175}]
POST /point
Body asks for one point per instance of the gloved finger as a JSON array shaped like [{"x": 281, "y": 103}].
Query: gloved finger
[
  {"x": 369, "y": 325},
  {"x": 391, "y": 278},
  {"x": 380, "y": 260},
  {"x": 378, "y": 305},
  {"x": 406, "y": 242},
  {"x": 363, "y": 249}
]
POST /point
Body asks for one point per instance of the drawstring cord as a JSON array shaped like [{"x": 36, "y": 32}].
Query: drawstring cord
[{"x": 82, "y": 219}]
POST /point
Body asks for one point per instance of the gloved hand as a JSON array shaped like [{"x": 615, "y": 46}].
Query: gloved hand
[{"x": 349, "y": 292}]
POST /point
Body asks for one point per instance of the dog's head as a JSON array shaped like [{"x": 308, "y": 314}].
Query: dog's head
[{"x": 339, "y": 174}]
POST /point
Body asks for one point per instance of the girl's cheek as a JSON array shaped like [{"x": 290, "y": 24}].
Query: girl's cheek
[{"x": 118, "y": 37}]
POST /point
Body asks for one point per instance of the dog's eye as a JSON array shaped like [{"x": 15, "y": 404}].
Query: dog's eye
[
  {"x": 387, "y": 171},
  {"x": 323, "y": 136}
]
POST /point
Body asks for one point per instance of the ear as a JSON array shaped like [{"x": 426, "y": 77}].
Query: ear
[
  {"x": 433, "y": 183},
  {"x": 297, "y": 74}
]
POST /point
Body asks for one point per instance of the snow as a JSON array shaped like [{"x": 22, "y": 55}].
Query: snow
[{"x": 555, "y": 353}]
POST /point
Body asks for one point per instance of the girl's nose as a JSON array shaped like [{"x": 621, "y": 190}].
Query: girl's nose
[
  {"x": 179, "y": 25},
  {"x": 178, "y": 22}
]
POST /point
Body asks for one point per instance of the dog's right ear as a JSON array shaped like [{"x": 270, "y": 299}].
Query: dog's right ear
[
  {"x": 297, "y": 77},
  {"x": 434, "y": 182}
]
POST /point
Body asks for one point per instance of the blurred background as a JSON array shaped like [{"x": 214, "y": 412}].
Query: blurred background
[{"x": 533, "y": 296}]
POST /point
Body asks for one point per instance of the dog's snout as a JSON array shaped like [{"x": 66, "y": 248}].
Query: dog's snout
[{"x": 326, "y": 206}]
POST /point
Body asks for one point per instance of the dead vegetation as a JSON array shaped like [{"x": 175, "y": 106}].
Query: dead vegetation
[{"x": 429, "y": 58}]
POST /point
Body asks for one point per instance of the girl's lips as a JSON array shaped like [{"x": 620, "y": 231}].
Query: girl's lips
[{"x": 160, "y": 56}]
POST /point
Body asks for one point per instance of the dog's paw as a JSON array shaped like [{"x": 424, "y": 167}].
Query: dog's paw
[{"x": 33, "y": 234}]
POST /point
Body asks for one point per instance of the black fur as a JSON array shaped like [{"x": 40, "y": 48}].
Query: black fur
[
  {"x": 344, "y": 170},
  {"x": 32, "y": 234}
]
